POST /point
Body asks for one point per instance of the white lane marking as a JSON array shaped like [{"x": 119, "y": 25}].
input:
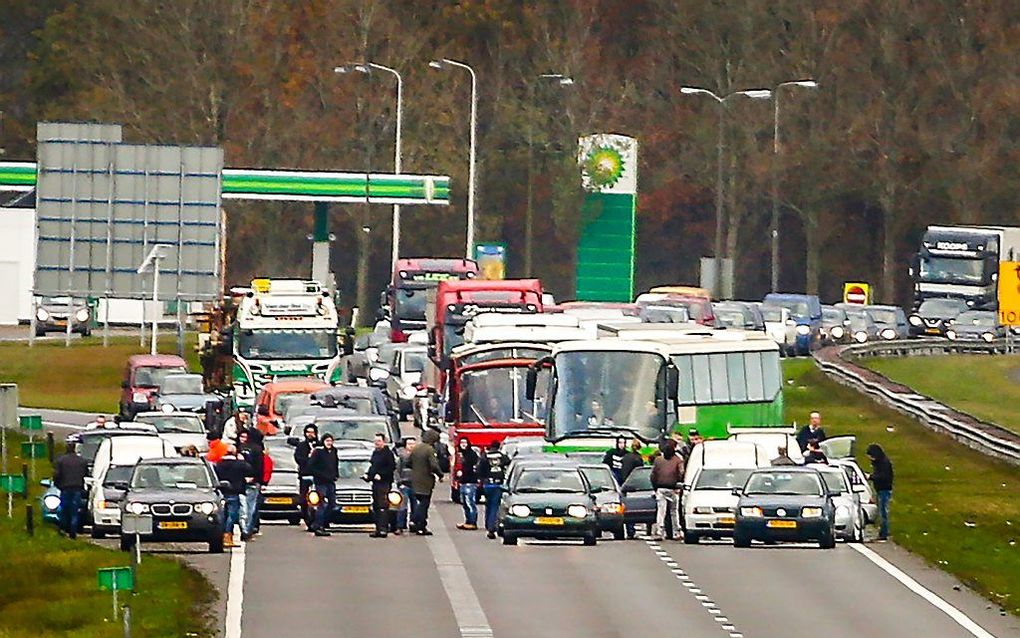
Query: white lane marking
[
  {"x": 235, "y": 592},
  {"x": 467, "y": 610},
  {"x": 958, "y": 616}
]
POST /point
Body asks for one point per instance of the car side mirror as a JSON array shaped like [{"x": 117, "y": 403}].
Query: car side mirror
[
  {"x": 737, "y": 491},
  {"x": 293, "y": 441},
  {"x": 125, "y": 385},
  {"x": 46, "y": 482}
]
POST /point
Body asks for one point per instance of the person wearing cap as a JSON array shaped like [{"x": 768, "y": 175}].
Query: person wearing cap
[
  {"x": 324, "y": 467},
  {"x": 614, "y": 458}
]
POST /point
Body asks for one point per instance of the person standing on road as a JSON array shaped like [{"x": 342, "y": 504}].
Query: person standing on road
[
  {"x": 424, "y": 472},
  {"x": 667, "y": 475},
  {"x": 468, "y": 477},
  {"x": 492, "y": 476},
  {"x": 380, "y": 475},
  {"x": 302, "y": 452},
  {"x": 882, "y": 478},
  {"x": 614, "y": 458},
  {"x": 240, "y": 421},
  {"x": 236, "y": 473},
  {"x": 813, "y": 431},
  {"x": 783, "y": 458},
  {"x": 404, "y": 449},
  {"x": 324, "y": 466},
  {"x": 252, "y": 454},
  {"x": 631, "y": 461},
  {"x": 69, "y": 472}
]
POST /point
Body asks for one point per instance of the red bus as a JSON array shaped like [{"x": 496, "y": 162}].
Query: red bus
[{"x": 405, "y": 297}]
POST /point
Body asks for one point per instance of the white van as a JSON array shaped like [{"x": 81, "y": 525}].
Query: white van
[
  {"x": 115, "y": 460},
  {"x": 714, "y": 469}
]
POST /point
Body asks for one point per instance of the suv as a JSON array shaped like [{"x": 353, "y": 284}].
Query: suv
[{"x": 143, "y": 375}]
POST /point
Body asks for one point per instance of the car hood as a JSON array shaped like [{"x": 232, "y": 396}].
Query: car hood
[
  {"x": 175, "y": 495},
  {"x": 549, "y": 499},
  {"x": 778, "y": 500},
  {"x": 282, "y": 481},
  {"x": 353, "y": 484},
  {"x": 711, "y": 498}
]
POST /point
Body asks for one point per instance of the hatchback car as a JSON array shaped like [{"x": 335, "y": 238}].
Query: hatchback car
[
  {"x": 608, "y": 498},
  {"x": 282, "y": 496},
  {"x": 553, "y": 501},
  {"x": 891, "y": 320},
  {"x": 182, "y": 393},
  {"x": 976, "y": 325},
  {"x": 835, "y": 325},
  {"x": 639, "y": 498},
  {"x": 709, "y": 505},
  {"x": 935, "y": 316},
  {"x": 862, "y": 327},
  {"x": 785, "y": 504}
]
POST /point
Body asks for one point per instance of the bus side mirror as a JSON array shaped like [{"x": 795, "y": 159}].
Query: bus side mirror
[
  {"x": 530, "y": 382},
  {"x": 672, "y": 382}
]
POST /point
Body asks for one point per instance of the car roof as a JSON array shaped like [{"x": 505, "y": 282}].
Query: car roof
[
  {"x": 156, "y": 360},
  {"x": 152, "y": 413}
]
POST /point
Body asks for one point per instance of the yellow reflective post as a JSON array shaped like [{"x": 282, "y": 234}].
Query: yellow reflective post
[{"x": 1009, "y": 293}]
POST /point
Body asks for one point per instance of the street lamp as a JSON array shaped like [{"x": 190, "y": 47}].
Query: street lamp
[
  {"x": 367, "y": 68},
  {"x": 442, "y": 64},
  {"x": 560, "y": 80},
  {"x": 754, "y": 94},
  {"x": 774, "y": 224}
]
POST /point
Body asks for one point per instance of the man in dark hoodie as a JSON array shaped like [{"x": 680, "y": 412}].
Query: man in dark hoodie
[
  {"x": 614, "y": 458},
  {"x": 324, "y": 466},
  {"x": 882, "y": 478},
  {"x": 667, "y": 476},
  {"x": 631, "y": 461},
  {"x": 302, "y": 452},
  {"x": 69, "y": 472}
]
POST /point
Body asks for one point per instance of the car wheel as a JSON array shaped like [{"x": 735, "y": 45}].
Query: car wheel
[
  {"x": 619, "y": 534},
  {"x": 739, "y": 540},
  {"x": 827, "y": 542},
  {"x": 216, "y": 544},
  {"x": 509, "y": 539},
  {"x": 591, "y": 539},
  {"x": 127, "y": 543},
  {"x": 294, "y": 520},
  {"x": 40, "y": 333},
  {"x": 97, "y": 533},
  {"x": 690, "y": 538}
]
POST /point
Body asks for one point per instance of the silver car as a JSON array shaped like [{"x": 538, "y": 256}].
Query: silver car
[
  {"x": 52, "y": 314},
  {"x": 404, "y": 377},
  {"x": 849, "y": 517}
]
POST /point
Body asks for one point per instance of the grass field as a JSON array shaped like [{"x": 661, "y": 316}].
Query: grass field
[
  {"x": 48, "y": 584},
  {"x": 83, "y": 377},
  {"x": 987, "y": 387},
  {"x": 953, "y": 506}
]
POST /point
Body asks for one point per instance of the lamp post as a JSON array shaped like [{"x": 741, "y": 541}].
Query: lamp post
[
  {"x": 442, "y": 64},
  {"x": 560, "y": 80},
  {"x": 754, "y": 94},
  {"x": 367, "y": 68},
  {"x": 774, "y": 224}
]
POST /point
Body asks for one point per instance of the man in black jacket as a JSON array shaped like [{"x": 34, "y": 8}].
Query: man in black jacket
[
  {"x": 492, "y": 476},
  {"x": 813, "y": 431},
  {"x": 236, "y": 473},
  {"x": 380, "y": 474},
  {"x": 631, "y": 461},
  {"x": 251, "y": 452},
  {"x": 69, "y": 472},
  {"x": 302, "y": 452},
  {"x": 324, "y": 467},
  {"x": 882, "y": 478}
]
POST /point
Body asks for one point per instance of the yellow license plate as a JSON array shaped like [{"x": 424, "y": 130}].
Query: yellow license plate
[
  {"x": 173, "y": 525},
  {"x": 548, "y": 520},
  {"x": 783, "y": 524},
  {"x": 279, "y": 500},
  {"x": 727, "y": 521},
  {"x": 354, "y": 509},
  {"x": 932, "y": 331}
]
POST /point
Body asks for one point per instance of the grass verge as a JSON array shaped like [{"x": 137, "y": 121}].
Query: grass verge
[
  {"x": 48, "y": 583},
  {"x": 84, "y": 377},
  {"x": 987, "y": 387},
  {"x": 953, "y": 506}
]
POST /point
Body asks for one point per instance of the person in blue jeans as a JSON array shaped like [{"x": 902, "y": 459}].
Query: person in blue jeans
[
  {"x": 69, "y": 472},
  {"x": 234, "y": 473},
  {"x": 882, "y": 478},
  {"x": 467, "y": 475},
  {"x": 491, "y": 476},
  {"x": 324, "y": 467}
]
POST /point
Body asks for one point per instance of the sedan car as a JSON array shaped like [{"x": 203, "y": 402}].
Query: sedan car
[
  {"x": 835, "y": 325},
  {"x": 785, "y": 504},
  {"x": 353, "y": 493},
  {"x": 180, "y": 428},
  {"x": 53, "y": 313},
  {"x": 173, "y": 500},
  {"x": 935, "y": 316},
  {"x": 862, "y": 327},
  {"x": 553, "y": 501},
  {"x": 182, "y": 393},
  {"x": 891, "y": 320},
  {"x": 976, "y": 325},
  {"x": 608, "y": 498}
]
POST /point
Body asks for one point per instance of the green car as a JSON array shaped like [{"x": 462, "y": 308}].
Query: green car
[{"x": 548, "y": 501}]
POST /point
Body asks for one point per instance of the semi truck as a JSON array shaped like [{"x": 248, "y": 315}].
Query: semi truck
[
  {"x": 405, "y": 297},
  {"x": 962, "y": 262}
]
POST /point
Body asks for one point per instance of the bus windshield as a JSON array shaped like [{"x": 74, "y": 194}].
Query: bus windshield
[
  {"x": 603, "y": 390},
  {"x": 287, "y": 344},
  {"x": 410, "y": 303},
  {"x": 496, "y": 395}
]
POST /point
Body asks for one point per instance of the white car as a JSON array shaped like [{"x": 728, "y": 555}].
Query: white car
[
  {"x": 714, "y": 469},
  {"x": 404, "y": 377},
  {"x": 849, "y": 514},
  {"x": 181, "y": 429},
  {"x": 109, "y": 479},
  {"x": 771, "y": 439},
  {"x": 840, "y": 451},
  {"x": 780, "y": 327}
]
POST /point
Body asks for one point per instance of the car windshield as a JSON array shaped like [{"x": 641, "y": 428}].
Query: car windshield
[
  {"x": 883, "y": 316},
  {"x": 941, "y": 307},
  {"x": 730, "y": 318},
  {"x": 722, "y": 479},
  {"x": 496, "y": 395},
  {"x": 607, "y": 389},
  {"x": 414, "y": 360},
  {"x": 411, "y": 303},
  {"x": 353, "y": 468},
  {"x": 834, "y": 481},
  {"x": 185, "y": 384},
  {"x": 859, "y": 321},
  {"x": 984, "y": 319},
  {"x": 282, "y": 455},
  {"x": 640, "y": 480},
  {"x": 299, "y": 407},
  {"x": 664, "y": 314},
  {"x": 549, "y": 480},
  {"x": 285, "y": 400},
  {"x": 353, "y": 430},
  {"x": 784, "y": 484},
  {"x": 772, "y": 314},
  {"x": 798, "y": 309},
  {"x": 152, "y": 376},
  {"x": 287, "y": 344},
  {"x": 118, "y": 474},
  {"x": 600, "y": 478},
  {"x": 950, "y": 270},
  {"x": 832, "y": 316},
  {"x": 175, "y": 424},
  {"x": 165, "y": 476}
]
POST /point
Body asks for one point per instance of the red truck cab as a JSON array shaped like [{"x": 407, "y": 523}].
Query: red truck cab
[
  {"x": 406, "y": 296},
  {"x": 143, "y": 374}
]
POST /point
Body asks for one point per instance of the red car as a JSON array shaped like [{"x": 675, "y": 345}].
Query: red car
[{"x": 142, "y": 376}]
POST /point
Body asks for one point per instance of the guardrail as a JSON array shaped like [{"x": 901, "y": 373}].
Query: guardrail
[{"x": 988, "y": 438}]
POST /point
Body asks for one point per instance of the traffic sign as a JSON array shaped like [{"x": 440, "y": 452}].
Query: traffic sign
[
  {"x": 116, "y": 578},
  {"x": 33, "y": 449},
  {"x": 30, "y": 422},
  {"x": 13, "y": 483},
  {"x": 1009, "y": 293},
  {"x": 857, "y": 293}
]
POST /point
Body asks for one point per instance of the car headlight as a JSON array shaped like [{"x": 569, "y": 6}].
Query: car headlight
[
  {"x": 167, "y": 408},
  {"x": 803, "y": 330},
  {"x": 577, "y": 511},
  {"x": 837, "y": 332},
  {"x": 51, "y": 502},
  {"x": 860, "y": 336},
  {"x": 951, "y": 335},
  {"x": 702, "y": 510},
  {"x": 989, "y": 337},
  {"x": 395, "y": 498},
  {"x": 408, "y": 392},
  {"x": 915, "y": 320},
  {"x": 377, "y": 374},
  {"x": 751, "y": 512},
  {"x": 137, "y": 508},
  {"x": 206, "y": 508},
  {"x": 42, "y": 315},
  {"x": 82, "y": 315},
  {"x": 888, "y": 333},
  {"x": 811, "y": 512},
  {"x": 314, "y": 498},
  {"x": 520, "y": 511},
  {"x": 842, "y": 513},
  {"x": 613, "y": 508}
]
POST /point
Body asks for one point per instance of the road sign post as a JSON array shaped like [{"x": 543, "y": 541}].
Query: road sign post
[
  {"x": 8, "y": 419},
  {"x": 115, "y": 579},
  {"x": 33, "y": 450}
]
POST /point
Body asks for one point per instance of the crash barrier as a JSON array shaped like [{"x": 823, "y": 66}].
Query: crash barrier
[{"x": 988, "y": 438}]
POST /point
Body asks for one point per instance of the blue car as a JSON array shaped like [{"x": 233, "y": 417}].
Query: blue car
[
  {"x": 49, "y": 505},
  {"x": 806, "y": 310}
]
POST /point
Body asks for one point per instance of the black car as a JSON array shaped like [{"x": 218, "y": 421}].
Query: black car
[
  {"x": 173, "y": 500},
  {"x": 935, "y": 316},
  {"x": 353, "y": 492},
  {"x": 608, "y": 498},
  {"x": 281, "y": 498},
  {"x": 639, "y": 498},
  {"x": 548, "y": 501},
  {"x": 785, "y": 504}
]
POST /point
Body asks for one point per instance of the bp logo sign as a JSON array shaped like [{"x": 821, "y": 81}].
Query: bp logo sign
[
  {"x": 604, "y": 167},
  {"x": 608, "y": 163}
]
